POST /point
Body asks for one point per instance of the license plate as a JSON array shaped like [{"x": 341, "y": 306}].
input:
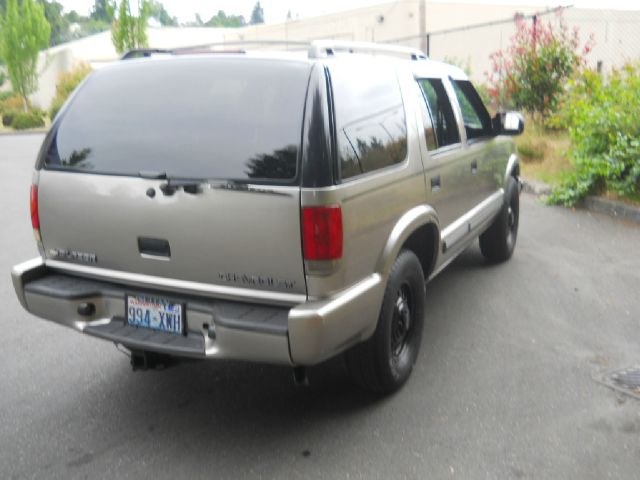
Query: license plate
[{"x": 156, "y": 313}]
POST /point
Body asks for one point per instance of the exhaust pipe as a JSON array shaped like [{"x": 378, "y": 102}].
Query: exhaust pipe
[
  {"x": 300, "y": 378},
  {"x": 141, "y": 360}
]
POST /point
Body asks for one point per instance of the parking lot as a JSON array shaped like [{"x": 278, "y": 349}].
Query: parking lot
[{"x": 505, "y": 385}]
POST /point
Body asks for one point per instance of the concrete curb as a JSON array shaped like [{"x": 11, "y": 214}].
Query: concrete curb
[
  {"x": 535, "y": 187},
  {"x": 30, "y": 131},
  {"x": 611, "y": 207},
  {"x": 591, "y": 203}
]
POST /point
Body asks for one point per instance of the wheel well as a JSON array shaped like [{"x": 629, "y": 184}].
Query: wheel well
[
  {"x": 423, "y": 242},
  {"x": 515, "y": 171}
]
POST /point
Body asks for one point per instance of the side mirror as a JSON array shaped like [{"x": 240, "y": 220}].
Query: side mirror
[{"x": 508, "y": 123}]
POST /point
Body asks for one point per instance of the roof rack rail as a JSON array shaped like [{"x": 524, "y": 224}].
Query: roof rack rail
[
  {"x": 316, "y": 48},
  {"x": 324, "y": 48},
  {"x": 143, "y": 52},
  {"x": 203, "y": 48}
]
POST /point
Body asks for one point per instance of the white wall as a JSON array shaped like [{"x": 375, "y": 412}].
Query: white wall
[
  {"x": 616, "y": 35},
  {"x": 98, "y": 50}
]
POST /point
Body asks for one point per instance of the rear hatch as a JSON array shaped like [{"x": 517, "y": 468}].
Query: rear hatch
[{"x": 184, "y": 168}]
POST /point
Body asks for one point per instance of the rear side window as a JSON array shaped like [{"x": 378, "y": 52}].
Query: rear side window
[
  {"x": 477, "y": 122},
  {"x": 370, "y": 121},
  {"x": 444, "y": 121},
  {"x": 230, "y": 118}
]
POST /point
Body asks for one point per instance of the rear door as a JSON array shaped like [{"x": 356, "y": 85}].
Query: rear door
[
  {"x": 446, "y": 175},
  {"x": 182, "y": 168}
]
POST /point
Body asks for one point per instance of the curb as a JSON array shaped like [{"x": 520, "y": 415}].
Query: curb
[
  {"x": 31, "y": 131},
  {"x": 611, "y": 207},
  {"x": 590, "y": 203},
  {"x": 535, "y": 187}
]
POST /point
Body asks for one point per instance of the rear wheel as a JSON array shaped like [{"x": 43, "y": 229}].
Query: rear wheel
[
  {"x": 499, "y": 240},
  {"x": 384, "y": 362}
]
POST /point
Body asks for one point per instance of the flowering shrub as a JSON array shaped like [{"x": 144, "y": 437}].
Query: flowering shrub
[{"x": 531, "y": 74}]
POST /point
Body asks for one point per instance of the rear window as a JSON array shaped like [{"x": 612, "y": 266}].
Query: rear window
[{"x": 238, "y": 119}]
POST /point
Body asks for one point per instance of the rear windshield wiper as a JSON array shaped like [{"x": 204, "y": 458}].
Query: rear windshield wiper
[{"x": 189, "y": 185}]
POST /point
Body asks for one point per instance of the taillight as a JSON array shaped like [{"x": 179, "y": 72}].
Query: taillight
[
  {"x": 322, "y": 232},
  {"x": 35, "y": 218}
]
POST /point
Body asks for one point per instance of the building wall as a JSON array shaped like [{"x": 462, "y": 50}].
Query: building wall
[
  {"x": 98, "y": 50},
  {"x": 616, "y": 35}
]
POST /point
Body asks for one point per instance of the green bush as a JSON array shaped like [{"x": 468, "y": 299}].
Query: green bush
[
  {"x": 24, "y": 120},
  {"x": 601, "y": 116},
  {"x": 67, "y": 83},
  {"x": 5, "y": 95},
  {"x": 7, "y": 118},
  {"x": 10, "y": 102},
  {"x": 56, "y": 105}
]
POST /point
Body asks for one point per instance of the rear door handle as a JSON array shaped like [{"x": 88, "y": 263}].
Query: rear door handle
[
  {"x": 474, "y": 167},
  {"x": 435, "y": 183}
]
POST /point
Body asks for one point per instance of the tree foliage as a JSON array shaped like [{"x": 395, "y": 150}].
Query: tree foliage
[
  {"x": 102, "y": 11},
  {"x": 222, "y": 20},
  {"x": 53, "y": 12},
  {"x": 158, "y": 12},
  {"x": 257, "y": 14},
  {"x": 129, "y": 31},
  {"x": 532, "y": 73},
  {"x": 601, "y": 116},
  {"x": 24, "y": 31}
]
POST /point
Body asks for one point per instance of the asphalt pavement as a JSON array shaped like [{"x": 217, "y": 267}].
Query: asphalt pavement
[{"x": 505, "y": 385}]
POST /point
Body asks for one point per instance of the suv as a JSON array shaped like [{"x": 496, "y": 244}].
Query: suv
[{"x": 281, "y": 207}]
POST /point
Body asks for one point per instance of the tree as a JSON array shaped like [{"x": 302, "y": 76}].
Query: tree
[
  {"x": 127, "y": 30},
  {"x": 157, "y": 11},
  {"x": 58, "y": 22},
  {"x": 23, "y": 33},
  {"x": 224, "y": 20},
  {"x": 257, "y": 15},
  {"x": 102, "y": 11}
]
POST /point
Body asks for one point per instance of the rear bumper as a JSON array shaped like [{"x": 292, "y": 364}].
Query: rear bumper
[{"x": 301, "y": 335}]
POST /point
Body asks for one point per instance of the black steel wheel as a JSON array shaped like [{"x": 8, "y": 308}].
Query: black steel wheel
[
  {"x": 498, "y": 242},
  {"x": 385, "y": 361}
]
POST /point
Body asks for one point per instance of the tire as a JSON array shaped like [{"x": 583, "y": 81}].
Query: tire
[
  {"x": 384, "y": 362},
  {"x": 499, "y": 240}
]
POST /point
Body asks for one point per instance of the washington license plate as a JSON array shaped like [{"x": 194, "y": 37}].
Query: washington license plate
[{"x": 156, "y": 313}]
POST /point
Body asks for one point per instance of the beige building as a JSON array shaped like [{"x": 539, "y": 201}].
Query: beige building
[{"x": 464, "y": 34}]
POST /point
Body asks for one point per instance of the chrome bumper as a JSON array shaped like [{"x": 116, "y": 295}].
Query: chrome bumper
[{"x": 303, "y": 335}]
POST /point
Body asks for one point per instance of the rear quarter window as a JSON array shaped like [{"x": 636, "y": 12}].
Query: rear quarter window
[{"x": 370, "y": 121}]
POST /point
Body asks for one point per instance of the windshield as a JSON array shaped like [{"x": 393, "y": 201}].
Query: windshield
[{"x": 226, "y": 118}]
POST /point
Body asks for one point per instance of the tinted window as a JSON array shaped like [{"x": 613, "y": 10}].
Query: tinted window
[
  {"x": 427, "y": 123},
  {"x": 190, "y": 117},
  {"x": 444, "y": 120},
  {"x": 477, "y": 122},
  {"x": 370, "y": 122}
]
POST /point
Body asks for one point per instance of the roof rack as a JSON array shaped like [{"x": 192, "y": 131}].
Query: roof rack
[
  {"x": 209, "y": 48},
  {"x": 316, "y": 48},
  {"x": 325, "y": 48},
  {"x": 143, "y": 52},
  {"x": 147, "y": 52}
]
